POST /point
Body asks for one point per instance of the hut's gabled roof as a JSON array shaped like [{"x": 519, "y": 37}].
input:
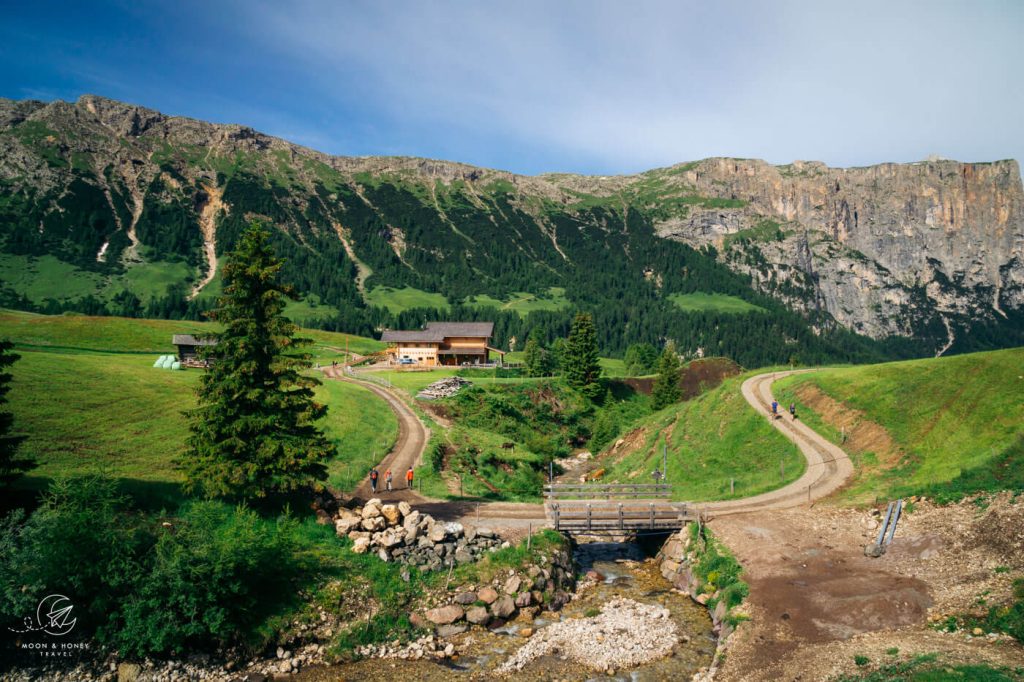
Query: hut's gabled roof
[
  {"x": 189, "y": 340},
  {"x": 436, "y": 332}
]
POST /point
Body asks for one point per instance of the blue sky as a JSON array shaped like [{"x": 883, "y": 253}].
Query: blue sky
[{"x": 569, "y": 86}]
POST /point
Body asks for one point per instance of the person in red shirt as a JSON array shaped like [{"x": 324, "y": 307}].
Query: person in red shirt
[{"x": 408, "y": 478}]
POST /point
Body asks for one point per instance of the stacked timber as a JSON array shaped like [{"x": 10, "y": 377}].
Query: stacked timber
[{"x": 445, "y": 388}]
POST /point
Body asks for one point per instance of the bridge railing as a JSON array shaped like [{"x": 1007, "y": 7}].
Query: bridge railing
[
  {"x": 593, "y": 491},
  {"x": 614, "y": 508}
]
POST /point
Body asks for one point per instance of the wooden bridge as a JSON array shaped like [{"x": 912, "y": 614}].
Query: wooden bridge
[{"x": 590, "y": 508}]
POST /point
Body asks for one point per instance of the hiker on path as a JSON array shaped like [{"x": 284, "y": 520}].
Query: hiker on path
[
  {"x": 408, "y": 478},
  {"x": 792, "y": 411},
  {"x": 387, "y": 479},
  {"x": 775, "y": 409},
  {"x": 373, "y": 479}
]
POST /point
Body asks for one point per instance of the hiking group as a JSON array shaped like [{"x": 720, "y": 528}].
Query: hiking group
[
  {"x": 375, "y": 475},
  {"x": 775, "y": 410}
]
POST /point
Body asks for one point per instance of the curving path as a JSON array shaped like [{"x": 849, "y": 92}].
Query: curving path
[
  {"x": 828, "y": 466},
  {"x": 408, "y": 449}
]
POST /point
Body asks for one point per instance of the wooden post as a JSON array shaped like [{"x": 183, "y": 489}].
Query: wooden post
[
  {"x": 621, "y": 520},
  {"x": 589, "y": 510},
  {"x": 529, "y": 535},
  {"x": 652, "y": 514}
]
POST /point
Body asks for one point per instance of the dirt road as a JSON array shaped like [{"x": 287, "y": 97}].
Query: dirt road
[
  {"x": 407, "y": 452},
  {"x": 828, "y": 467}
]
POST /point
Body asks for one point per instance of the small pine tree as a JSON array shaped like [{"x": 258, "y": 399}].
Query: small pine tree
[
  {"x": 666, "y": 388},
  {"x": 533, "y": 356},
  {"x": 641, "y": 358},
  {"x": 11, "y": 467},
  {"x": 254, "y": 431},
  {"x": 580, "y": 358},
  {"x": 556, "y": 356}
]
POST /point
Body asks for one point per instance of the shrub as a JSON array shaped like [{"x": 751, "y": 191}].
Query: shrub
[
  {"x": 215, "y": 577},
  {"x": 81, "y": 543},
  {"x": 212, "y": 577}
]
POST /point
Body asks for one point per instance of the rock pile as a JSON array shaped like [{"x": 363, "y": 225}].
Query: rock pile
[
  {"x": 625, "y": 634},
  {"x": 397, "y": 532},
  {"x": 445, "y": 388},
  {"x": 507, "y": 595},
  {"x": 427, "y": 646}
]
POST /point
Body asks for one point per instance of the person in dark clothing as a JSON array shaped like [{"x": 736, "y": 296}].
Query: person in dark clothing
[
  {"x": 775, "y": 409},
  {"x": 792, "y": 410},
  {"x": 373, "y": 479}
]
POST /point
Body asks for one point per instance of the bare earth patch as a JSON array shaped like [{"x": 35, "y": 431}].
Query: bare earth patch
[
  {"x": 816, "y": 601},
  {"x": 862, "y": 434}
]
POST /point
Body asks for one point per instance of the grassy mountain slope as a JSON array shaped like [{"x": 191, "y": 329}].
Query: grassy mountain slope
[
  {"x": 718, "y": 448},
  {"x": 110, "y": 208},
  {"x": 86, "y": 395},
  {"x": 942, "y": 426}
]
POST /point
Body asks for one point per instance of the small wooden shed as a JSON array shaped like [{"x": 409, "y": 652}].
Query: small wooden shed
[{"x": 188, "y": 346}]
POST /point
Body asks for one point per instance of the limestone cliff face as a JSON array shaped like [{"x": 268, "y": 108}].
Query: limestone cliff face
[{"x": 878, "y": 237}]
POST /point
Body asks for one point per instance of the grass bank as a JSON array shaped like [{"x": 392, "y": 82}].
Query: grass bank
[
  {"x": 718, "y": 448},
  {"x": 943, "y": 427}
]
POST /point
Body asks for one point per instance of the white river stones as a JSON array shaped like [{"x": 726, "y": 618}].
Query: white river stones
[{"x": 625, "y": 634}]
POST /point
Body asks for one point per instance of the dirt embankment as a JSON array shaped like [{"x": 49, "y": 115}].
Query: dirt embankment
[
  {"x": 695, "y": 378},
  {"x": 816, "y": 601},
  {"x": 862, "y": 435}
]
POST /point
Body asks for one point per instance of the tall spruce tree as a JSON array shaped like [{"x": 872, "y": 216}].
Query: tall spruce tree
[
  {"x": 11, "y": 467},
  {"x": 666, "y": 388},
  {"x": 254, "y": 431},
  {"x": 580, "y": 359}
]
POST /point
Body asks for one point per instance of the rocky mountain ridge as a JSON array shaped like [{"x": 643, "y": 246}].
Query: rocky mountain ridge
[{"x": 906, "y": 250}]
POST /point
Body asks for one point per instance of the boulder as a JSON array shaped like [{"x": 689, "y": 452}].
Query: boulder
[
  {"x": 478, "y": 615},
  {"x": 443, "y": 615},
  {"x": 391, "y": 514},
  {"x": 128, "y": 672},
  {"x": 345, "y": 525},
  {"x": 526, "y": 632},
  {"x": 513, "y": 584},
  {"x": 418, "y": 621},
  {"x": 383, "y": 555},
  {"x": 371, "y": 511},
  {"x": 503, "y": 607},
  {"x": 523, "y": 600},
  {"x": 465, "y": 598},
  {"x": 361, "y": 545},
  {"x": 412, "y": 519},
  {"x": 374, "y": 523},
  {"x": 391, "y": 538},
  {"x": 437, "y": 533},
  {"x": 463, "y": 556},
  {"x": 487, "y": 595},
  {"x": 470, "y": 534},
  {"x": 356, "y": 534},
  {"x": 404, "y": 508},
  {"x": 451, "y": 630},
  {"x": 454, "y": 529},
  {"x": 668, "y": 568},
  {"x": 485, "y": 533},
  {"x": 411, "y": 533}
]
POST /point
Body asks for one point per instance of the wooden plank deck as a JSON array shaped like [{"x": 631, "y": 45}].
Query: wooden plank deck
[{"x": 615, "y": 508}]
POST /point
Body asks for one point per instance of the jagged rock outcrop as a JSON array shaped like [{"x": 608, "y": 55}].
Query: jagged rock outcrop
[{"x": 871, "y": 240}]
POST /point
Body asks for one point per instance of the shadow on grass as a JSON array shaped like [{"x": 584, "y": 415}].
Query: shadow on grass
[{"x": 157, "y": 496}]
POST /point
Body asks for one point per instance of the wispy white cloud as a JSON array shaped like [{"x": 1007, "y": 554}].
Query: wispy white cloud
[{"x": 595, "y": 85}]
